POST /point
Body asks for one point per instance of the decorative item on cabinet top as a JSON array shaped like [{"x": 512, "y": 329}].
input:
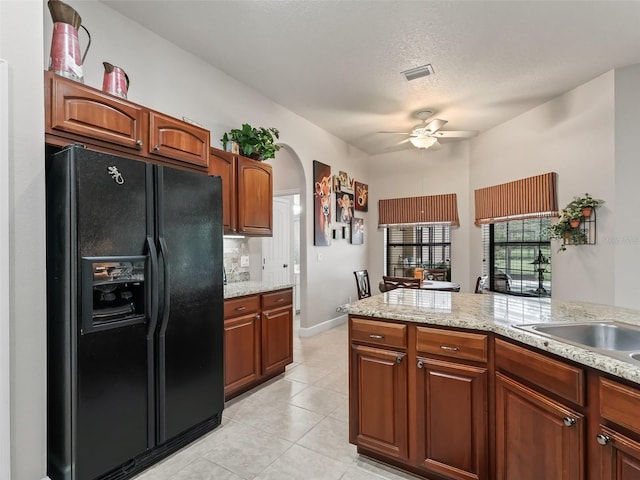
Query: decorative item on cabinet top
[
  {"x": 256, "y": 143},
  {"x": 577, "y": 222}
]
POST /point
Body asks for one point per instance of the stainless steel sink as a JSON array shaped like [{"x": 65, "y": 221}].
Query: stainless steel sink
[{"x": 619, "y": 340}]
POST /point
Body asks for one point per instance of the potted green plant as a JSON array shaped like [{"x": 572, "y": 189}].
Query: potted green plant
[
  {"x": 563, "y": 230},
  {"x": 257, "y": 143},
  {"x": 586, "y": 204}
]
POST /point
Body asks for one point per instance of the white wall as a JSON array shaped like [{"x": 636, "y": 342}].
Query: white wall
[
  {"x": 626, "y": 240},
  {"x": 572, "y": 135},
  {"x": 413, "y": 173},
  {"x": 21, "y": 45}
]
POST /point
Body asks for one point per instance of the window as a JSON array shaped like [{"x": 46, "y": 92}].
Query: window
[
  {"x": 426, "y": 246},
  {"x": 516, "y": 257}
]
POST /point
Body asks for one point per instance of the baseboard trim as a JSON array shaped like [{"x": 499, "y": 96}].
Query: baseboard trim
[{"x": 321, "y": 327}]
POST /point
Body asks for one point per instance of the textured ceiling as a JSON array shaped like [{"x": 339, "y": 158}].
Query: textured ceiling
[{"x": 338, "y": 63}]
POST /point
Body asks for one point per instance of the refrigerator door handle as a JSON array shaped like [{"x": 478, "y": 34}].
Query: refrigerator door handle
[
  {"x": 167, "y": 286},
  {"x": 153, "y": 316}
]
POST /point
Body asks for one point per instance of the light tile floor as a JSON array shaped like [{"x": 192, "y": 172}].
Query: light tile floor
[{"x": 293, "y": 427}]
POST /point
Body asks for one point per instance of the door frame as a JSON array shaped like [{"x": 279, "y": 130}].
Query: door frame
[{"x": 5, "y": 311}]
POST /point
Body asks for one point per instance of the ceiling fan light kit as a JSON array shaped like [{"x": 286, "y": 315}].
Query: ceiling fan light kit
[{"x": 423, "y": 142}]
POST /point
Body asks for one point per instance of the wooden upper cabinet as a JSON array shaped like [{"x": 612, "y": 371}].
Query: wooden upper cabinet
[
  {"x": 247, "y": 193},
  {"x": 255, "y": 197},
  {"x": 78, "y": 110},
  {"x": 75, "y": 112},
  {"x": 175, "y": 139},
  {"x": 222, "y": 164}
]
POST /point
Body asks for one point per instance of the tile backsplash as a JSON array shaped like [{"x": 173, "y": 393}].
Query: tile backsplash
[{"x": 235, "y": 255}]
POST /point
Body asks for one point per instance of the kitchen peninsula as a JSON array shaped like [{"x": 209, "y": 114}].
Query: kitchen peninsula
[
  {"x": 449, "y": 386},
  {"x": 258, "y": 333}
]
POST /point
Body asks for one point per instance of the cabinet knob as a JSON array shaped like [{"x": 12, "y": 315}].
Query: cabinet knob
[
  {"x": 420, "y": 364},
  {"x": 266, "y": 315},
  {"x": 156, "y": 148},
  {"x": 257, "y": 316},
  {"x": 603, "y": 439},
  {"x": 399, "y": 358},
  {"x": 139, "y": 143},
  {"x": 569, "y": 422}
]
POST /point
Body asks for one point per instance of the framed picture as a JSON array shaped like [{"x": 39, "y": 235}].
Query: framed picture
[
  {"x": 321, "y": 204},
  {"x": 361, "y": 197},
  {"x": 357, "y": 231},
  {"x": 344, "y": 207},
  {"x": 345, "y": 183}
]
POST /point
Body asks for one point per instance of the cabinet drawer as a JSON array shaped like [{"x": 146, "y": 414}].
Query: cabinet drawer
[
  {"x": 277, "y": 299},
  {"x": 241, "y": 306},
  {"x": 619, "y": 404},
  {"x": 554, "y": 376},
  {"x": 379, "y": 333},
  {"x": 466, "y": 346}
]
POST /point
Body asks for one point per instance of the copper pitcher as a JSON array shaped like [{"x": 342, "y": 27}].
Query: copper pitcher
[
  {"x": 115, "y": 80},
  {"x": 65, "y": 58}
]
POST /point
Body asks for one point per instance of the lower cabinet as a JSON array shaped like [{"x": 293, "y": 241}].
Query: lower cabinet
[
  {"x": 619, "y": 452},
  {"x": 379, "y": 396},
  {"x": 453, "y": 419},
  {"x": 258, "y": 336},
  {"x": 536, "y": 437}
]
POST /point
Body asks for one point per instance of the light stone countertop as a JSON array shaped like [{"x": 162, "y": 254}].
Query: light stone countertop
[
  {"x": 499, "y": 314},
  {"x": 240, "y": 289}
]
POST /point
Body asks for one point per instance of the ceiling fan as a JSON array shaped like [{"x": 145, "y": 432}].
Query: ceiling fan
[{"x": 427, "y": 133}]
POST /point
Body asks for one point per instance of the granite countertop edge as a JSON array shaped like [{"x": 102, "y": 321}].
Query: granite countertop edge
[
  {"x": 499, "y": 314},
  {"x": 241, "y": 289}
]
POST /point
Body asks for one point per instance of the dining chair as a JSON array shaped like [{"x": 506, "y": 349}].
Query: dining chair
[
  {"x": 401, "y": 282},
  {"x": 362, "y": 283},
  {"x": 480, "y": 283}
]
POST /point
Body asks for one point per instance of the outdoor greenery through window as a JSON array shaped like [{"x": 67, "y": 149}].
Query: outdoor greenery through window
[
  {"x": 425, "y": 246},
  {"x": 517, "y": 257}
]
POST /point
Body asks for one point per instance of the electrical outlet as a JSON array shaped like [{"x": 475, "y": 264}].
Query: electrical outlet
[
  {"x": 320, "y": 257},
  {"x": 244, "y": 260}
]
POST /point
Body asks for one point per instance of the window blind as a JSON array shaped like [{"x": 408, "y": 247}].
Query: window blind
[
  {"x": 419, "y": 210},
  {"x": 530, "y": 197}
]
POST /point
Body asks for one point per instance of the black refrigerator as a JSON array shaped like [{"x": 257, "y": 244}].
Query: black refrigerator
[{"x": 134, "y": 312}]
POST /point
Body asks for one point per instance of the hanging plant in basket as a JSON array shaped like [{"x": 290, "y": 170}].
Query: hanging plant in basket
[
  {"x": 567, "y": 228},
  {"x": 257, "y": 143}
]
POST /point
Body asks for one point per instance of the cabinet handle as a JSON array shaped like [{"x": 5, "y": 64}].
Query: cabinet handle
[
  {"x": 569, "y": 422},
  {"x": 420, "y": 364},
  {"x": 156, "y": 148},
  {"x": 603, "y": 439},
  {"x": 399, "y": 358},
  {"x": 377, "y": 337},
  {"x": 280, "y": 300},
  {"x": 139, "y": 143},
  {"x": 446, "y": 347},
  {"x": 239, "y": 309}
]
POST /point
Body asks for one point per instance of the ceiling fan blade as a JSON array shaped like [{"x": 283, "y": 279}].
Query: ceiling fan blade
[
  {"x": 434, "y": 125},
  {"x": 456, "y": 134},
  {"x": 402, "y": 141},
  {"x": 396, "y": 133}
]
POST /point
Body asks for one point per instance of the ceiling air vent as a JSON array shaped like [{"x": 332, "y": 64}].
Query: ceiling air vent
[{"x": 418, "y": 72}]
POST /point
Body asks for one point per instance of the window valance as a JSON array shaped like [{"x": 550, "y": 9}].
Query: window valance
[
  {"x": 530, "y": 197},
  {"x": 419, "y": 210}
]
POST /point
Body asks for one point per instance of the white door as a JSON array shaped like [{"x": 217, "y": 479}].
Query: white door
[{"x": 277, "y": 256}]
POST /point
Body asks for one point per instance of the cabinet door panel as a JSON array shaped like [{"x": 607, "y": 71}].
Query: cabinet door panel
[
  {"x": 452, "y": 419},
  {"x": 378, "y": 401},
  {"x": 222, "y": 164},
  {"x": 177, "y": 140},
  {"x": 277, "y": 339},
  {"x": 255, "y": 197},
  {"x": 241, "y": 352},
  {"x": 532, "y": 440},
  {"x": 79, "y": 110},
  {"x": 620, "y": 459}
]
